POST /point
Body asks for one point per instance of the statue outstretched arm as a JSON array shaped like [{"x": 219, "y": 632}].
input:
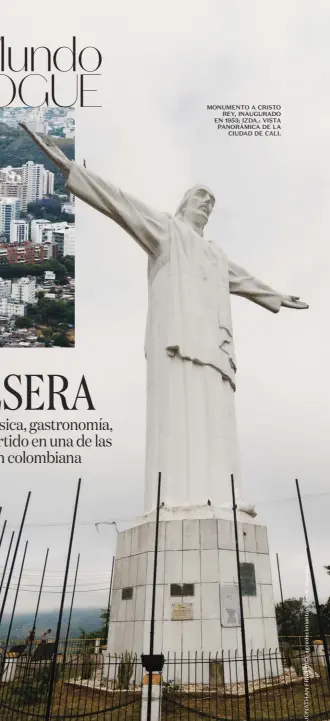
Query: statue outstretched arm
[
  {"x": 147, "y": 226},
  {"x": 243, "y": 284}
]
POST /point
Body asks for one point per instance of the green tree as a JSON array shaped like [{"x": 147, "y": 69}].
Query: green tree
[
  {"x": 23, "y": 322},
  {"x": 69, "y": 263},
  {"x": 102, "y": 631},
  {"x": 62, "y": 341},
  {"x": 291, "y": 617},
  {"x": 105, "y": 617}
]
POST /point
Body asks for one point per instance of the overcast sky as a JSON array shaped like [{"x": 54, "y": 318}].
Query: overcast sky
[{"x": 162, "y": 63}]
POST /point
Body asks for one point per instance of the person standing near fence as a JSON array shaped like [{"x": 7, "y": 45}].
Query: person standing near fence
[{"x": 45, "y": 636}]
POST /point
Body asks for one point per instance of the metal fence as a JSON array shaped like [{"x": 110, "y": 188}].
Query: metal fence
[{"x": 287, "y": 685}]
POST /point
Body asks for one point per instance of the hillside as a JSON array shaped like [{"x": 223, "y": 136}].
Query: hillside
[
  {"x": 16, "y": 148},
  {"x": 87, "y": 619}
]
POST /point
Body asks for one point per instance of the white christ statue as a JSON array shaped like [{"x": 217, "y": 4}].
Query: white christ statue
[{"x": 191, "y": 429}]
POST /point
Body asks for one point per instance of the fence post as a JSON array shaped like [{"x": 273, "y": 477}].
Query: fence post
[
  {"x": 58, "y": 630},
  {"x": 2, "y": 533},
  {"x": 14, "y": 556},
  {"x": 70, "y": 613},
  {"x": 6, "y": 561},
  {"x": 152, "y": 682},
  {"x": 246, "y": 681}
]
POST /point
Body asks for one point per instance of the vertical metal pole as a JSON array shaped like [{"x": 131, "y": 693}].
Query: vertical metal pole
[
  {"x": 109, "y": 599},
  {"x": 40, "y": 592},
  {"x": 2, "y": 532},
  {"x": 14, "y": 606},
  {"x": 38, "y": 602},
  {"x": 282, "y": 600},
  {"x": 316, "y": 597},
  {"x": 14, "y": 556},
  {"x": 153, "y": 602},
  {"x": 58, "y": 630},
  {"x": 279, "y": 578},
  {"x": 7, "y": 559},
  {"x": 246, "y": 681},
  {"x": 70, "y": 614}
]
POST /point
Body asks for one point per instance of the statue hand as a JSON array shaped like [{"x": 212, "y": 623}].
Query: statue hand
[
  {"x": 50, "y": 148},
  {"x": 292, "y": 301}
]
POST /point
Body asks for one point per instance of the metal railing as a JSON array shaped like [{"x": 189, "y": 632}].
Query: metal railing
[{"x": 282, "y": 686}]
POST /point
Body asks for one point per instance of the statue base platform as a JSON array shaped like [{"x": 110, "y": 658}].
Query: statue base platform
[{"x": 197, "y": 603}]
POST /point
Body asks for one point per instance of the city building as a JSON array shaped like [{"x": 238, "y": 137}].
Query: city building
[
  {"x": 5, "y": 288},
  {"x": 10, "y": 307},
  {"x": 21, "y": 253},
  {"x": 65, "y": 240},
  {"x": 36, "y": 121},
  {"x": 19, "y": 231},
  {"x": 49, "y": 249},
  {"x": 49, "y": 276},
  {"x": 23, "y": 290},
  {"x": 12, "y": 189},
  {"x": 62, "y": 235},
  {"x": 67, "y": 208},
  {"x": 9, "y": 175},
  {"x": 48, "y": 181},
  {"x": 33, "y": 181},
  {"x": 9, "y": 211},
  {"x": 37, "y": 228}
]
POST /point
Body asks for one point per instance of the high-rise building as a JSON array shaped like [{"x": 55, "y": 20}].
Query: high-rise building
[
  {"x": 12, "y": 189},
  {"x": 19, "y": 231},
  {"x": 49, "y": 249},
  {"x": 37, "y": 228},
  {"x": 65, "y": 241},
  {"x": 62, "y": 235},
  {"x": 9, "y": 211},
  {"x": 48, "y": 182},
  {"x": 24, "y": 290},
  {"x": 33, "y": 180}
]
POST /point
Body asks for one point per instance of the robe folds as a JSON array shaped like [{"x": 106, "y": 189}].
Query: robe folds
[{"x": 191, "y": 430}]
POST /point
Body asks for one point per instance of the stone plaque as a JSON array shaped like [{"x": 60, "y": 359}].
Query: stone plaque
[
  {"x": 182, "y": 612},
  {"x": 229, "y": 602},
  {"x": 248, "y": 579}
]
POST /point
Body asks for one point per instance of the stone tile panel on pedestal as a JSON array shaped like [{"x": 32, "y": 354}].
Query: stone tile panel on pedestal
[{"x": 196, "y": 557}]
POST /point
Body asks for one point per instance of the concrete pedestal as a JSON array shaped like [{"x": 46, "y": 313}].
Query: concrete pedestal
[{"x": 197, "y": 556}]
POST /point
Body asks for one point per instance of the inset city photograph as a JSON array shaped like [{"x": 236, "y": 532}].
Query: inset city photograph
[{"x": 37, "y": 232}]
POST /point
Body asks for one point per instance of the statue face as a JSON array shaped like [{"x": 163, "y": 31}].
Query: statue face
[{"x": 197, "y": 206}]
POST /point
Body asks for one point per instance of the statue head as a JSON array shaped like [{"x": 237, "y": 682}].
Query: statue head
[{"x": 196, "y": 207}]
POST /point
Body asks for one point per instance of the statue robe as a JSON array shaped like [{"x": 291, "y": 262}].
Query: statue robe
[{"x": 191, "y": 429}]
